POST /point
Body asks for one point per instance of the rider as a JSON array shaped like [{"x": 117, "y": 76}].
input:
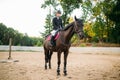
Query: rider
[{"x": 57, "y": 25}]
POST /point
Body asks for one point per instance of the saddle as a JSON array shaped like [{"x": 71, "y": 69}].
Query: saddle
[{"x": 55, "y": 38}]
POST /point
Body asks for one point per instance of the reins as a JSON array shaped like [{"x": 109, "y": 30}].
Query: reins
[{"x": 75, "y": 28}]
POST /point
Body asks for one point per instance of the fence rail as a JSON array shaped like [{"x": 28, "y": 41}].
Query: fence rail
[
  {"x": 115, "y": 50},
  {"x": 21, "y": 48}
]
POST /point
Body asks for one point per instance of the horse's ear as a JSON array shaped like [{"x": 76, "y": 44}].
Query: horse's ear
[{"x": 75, "y": 18}]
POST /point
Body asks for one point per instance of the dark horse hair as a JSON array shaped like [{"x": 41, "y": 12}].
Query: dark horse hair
[
  {"x": 69, "y": 25},
  {"x": 63, "y": 44}
]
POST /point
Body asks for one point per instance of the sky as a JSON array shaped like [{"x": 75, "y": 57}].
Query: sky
[{"x": 26, "y": 16}]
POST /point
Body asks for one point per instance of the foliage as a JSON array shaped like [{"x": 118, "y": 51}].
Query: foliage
[
  {"x": 48, "y": 26},
  {"x": 88, "y": 29},
  {"x": 104, "y": 25},
  {"x": 67, "y": 8},
  {"x": 101, "y": 17},
  {"x": 18, "y": 38},
  {"x": 114, "y": 16}
]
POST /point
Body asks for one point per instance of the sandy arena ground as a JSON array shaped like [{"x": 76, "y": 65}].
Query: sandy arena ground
[{"x": 80, "y": 67}]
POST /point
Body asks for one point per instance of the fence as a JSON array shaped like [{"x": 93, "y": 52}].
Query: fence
[{"x": 115, "y": 50}]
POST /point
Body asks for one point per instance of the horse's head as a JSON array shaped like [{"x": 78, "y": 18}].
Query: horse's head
[{"x": 78, "y": 27}]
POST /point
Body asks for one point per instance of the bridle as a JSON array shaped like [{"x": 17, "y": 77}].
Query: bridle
[{"x": 76, "y": 28}]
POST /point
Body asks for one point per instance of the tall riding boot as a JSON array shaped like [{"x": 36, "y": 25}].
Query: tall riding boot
[{"x": 52, "y": 40}]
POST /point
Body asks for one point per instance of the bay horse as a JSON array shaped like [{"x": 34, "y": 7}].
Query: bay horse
[{"x": 63, "y": 44}]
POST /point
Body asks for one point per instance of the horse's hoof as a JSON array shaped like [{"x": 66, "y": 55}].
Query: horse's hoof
[
  {"x": 58, "y": 74},
  {"x": 65, "y": 74},
  {"x": 45, "y": 68}
]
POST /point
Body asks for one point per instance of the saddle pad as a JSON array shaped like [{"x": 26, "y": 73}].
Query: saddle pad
[{"x": 56, "y": 37}]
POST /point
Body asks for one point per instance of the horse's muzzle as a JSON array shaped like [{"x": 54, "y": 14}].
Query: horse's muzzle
[{"x": 81, "y": 35}]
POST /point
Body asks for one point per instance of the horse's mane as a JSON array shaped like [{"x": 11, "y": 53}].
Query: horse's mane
[{"x": 66, "y": 27}]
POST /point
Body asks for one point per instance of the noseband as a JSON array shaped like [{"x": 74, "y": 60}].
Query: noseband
[{"x": 76, "y": 28}]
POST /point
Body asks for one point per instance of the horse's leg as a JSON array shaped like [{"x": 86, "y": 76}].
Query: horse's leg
[
  {"x": 59, "y": 62},
  {"x": 50, "y": 55},
  {"x": 46, "y": 57},
  {"x": 65, "y": 62}
]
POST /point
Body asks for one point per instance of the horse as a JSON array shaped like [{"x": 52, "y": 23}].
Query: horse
[{"x": 63, "y": 44}]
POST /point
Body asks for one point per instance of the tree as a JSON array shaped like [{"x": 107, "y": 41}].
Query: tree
[
  {"x": 17, "y": 37},
  {"x": 100, "y": 16},
  {"x": 114, "y": 16},
  {"x": 67, "y": 7},
  {"x": 3, "y": 28},
  {"x": 48, "y": 26}
]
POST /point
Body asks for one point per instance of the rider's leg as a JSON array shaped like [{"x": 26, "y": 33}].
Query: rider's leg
[
  {"x": 52, "y": 37},
  {"x": 52, "y": 40}
]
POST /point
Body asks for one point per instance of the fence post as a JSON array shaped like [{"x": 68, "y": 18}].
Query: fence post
[{"x": 10, "y": 44}]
